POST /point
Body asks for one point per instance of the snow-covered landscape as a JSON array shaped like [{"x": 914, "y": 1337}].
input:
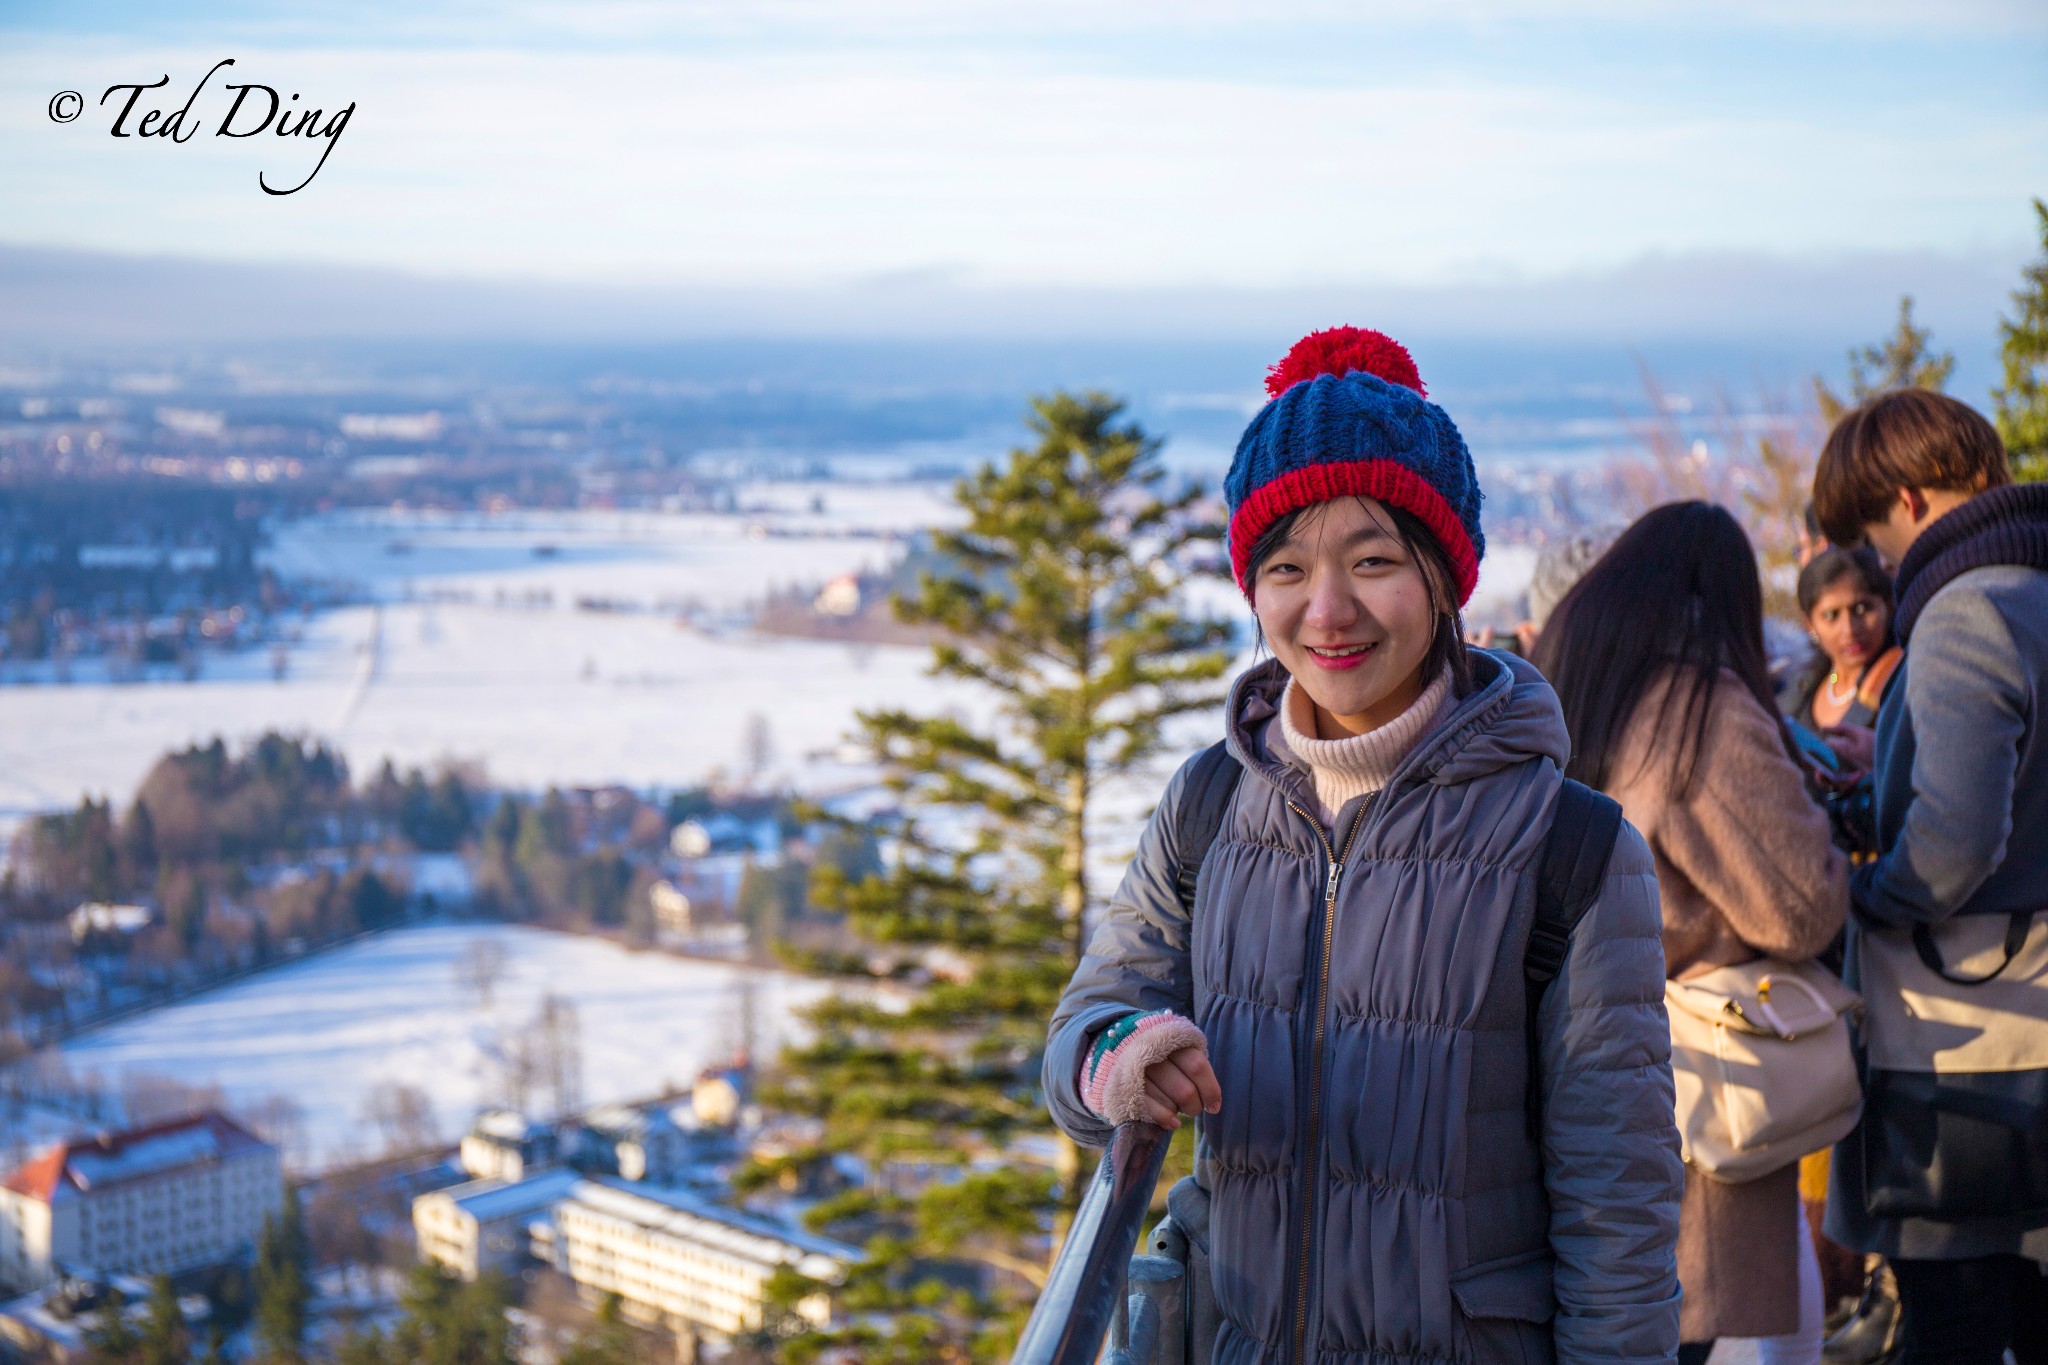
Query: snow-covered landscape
[
  {"x": 545, "y": 646},
  {"x": 325, "y": 1032},
  {"x": 548, "y": 647}
]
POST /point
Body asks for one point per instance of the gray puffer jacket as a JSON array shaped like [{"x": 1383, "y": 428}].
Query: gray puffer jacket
[{"x": 1375, "y": 1195}]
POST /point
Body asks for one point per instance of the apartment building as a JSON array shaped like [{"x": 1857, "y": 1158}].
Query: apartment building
[
  {"x": 191, "y": 1192},
  {"x": 673, "y": 1259},
  {"x": 678, "y": 1260},
  {"x": 506, "y": 1146},
  {"x": 482, "y": 1225}
]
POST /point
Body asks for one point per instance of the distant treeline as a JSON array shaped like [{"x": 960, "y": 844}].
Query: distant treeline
[{"x": 237, "y": 857}]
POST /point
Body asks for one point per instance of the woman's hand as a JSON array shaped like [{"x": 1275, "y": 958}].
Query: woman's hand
[
  {"x": 1855, "y": 745},
  {"x": 1182, "y": 1084}
]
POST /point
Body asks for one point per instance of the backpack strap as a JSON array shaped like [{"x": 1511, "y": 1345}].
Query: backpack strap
[
  {"x": 1204, "y": 799},
  {"x": 1583, "y": 827}
]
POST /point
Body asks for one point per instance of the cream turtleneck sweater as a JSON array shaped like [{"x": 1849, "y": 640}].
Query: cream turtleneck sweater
[{"x": 1356, "y": 765}]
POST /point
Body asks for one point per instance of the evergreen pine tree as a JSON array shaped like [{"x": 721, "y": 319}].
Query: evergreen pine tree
[
  {"x": 282, "y": 1286},
  {"x": 164, "y": 1338},
  {"x": 1903, "y": 360},
  {"x": 608, "y": 1341},
  {"x": 1058, "y": 598},
  {"x": 448, "y": 1322},
  {"x": 2021, "y": 401},
  {"x": 363, "y": 1348},
  {"x": 112, "y": 1339}
]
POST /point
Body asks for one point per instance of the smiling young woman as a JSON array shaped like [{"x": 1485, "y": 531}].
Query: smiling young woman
[{"x": 1396, "y": 1159}]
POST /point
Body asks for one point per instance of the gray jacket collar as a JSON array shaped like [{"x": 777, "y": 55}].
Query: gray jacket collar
[{"x": 1510, "y": 716}]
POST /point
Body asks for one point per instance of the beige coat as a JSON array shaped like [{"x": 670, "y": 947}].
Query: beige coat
[{"x": 1745, "y": 868}]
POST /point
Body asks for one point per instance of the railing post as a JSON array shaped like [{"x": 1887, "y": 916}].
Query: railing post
[
  {"x": 1159, "y": 1285},
  {"x": 1086, "y": 1289}
]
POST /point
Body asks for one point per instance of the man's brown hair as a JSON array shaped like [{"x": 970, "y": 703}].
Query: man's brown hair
[{"x": 1908, "y": 438}]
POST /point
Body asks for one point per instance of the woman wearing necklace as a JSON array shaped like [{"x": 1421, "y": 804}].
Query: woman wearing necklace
[{"x": 1846, "y": 600}]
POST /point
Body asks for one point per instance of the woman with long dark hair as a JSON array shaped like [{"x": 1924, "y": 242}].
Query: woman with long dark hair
[
  {"x": 1657, "y": 655},
  {"x": 1398, "y": 1158}
]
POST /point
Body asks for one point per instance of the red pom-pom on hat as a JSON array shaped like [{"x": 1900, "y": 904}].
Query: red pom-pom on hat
[{"x": 1339, "y": 351}]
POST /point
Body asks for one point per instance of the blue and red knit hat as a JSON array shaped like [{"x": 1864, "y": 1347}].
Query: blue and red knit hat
[{"x": 1348, "y": 418}]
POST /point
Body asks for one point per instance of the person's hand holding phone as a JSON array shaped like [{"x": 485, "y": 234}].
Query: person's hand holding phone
[{"x": 1855, "y": 747}]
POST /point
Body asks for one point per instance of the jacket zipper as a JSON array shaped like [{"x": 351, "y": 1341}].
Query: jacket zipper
[{"x": 1315, "y": 1108}]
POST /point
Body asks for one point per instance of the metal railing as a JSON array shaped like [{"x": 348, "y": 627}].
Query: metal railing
[{"x": 1097, "y": 1288}]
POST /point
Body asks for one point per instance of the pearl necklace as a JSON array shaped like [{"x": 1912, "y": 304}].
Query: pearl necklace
[{"x": 1839, "y": 698}]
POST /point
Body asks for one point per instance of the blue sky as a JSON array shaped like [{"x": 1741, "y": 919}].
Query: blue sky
[{"x": 1077, "y": 143}]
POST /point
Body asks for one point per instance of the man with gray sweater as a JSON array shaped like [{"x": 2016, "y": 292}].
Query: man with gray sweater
[{"x": 1947, "y": 1174}]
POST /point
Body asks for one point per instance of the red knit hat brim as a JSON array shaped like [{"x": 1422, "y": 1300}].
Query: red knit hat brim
[{"x": 1386, "y": 481}]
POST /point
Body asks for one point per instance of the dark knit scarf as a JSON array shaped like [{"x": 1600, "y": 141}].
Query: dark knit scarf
[{"x": 2006, "y": 525}]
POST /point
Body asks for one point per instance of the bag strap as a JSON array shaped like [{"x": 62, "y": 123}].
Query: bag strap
[
  {"x": 1204, "y": 799},
  {"x": 1870, "y": 689},
  {"x": 1583, "y": 828},
  {"x": 2016, "y": 930}
]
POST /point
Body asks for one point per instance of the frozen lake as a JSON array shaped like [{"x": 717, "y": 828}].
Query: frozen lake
[{"x": 325, "y": 1032}]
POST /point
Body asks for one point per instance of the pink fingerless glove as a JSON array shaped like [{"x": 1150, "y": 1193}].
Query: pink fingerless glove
[{"x": 1113, "y": 1078}]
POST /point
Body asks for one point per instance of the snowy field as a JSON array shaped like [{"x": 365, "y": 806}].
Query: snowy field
[
  {"x": 476, "y": 650},
  {"x": 323, "y": 1033},
  {"x": 462, "y": 658}
]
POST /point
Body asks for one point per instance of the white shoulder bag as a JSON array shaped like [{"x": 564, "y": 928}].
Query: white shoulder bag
[{"x": 1760, "y": 1054}]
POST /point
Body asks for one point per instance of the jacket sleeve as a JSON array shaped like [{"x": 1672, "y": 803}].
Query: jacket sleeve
[
  {"x": 1750, "y": 839},
  {"x": 1137, "y": 959},
  {"x": 1610, "y": 1136},
  {"x": 1966, "y": 700}
]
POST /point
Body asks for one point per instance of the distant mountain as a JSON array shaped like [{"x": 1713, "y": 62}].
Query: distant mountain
[{"x": 53, "y": 297}]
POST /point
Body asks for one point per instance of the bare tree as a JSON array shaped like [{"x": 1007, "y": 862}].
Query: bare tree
[
  {"x": 403, "y": 1116},
  {"x": 744, "y": 1023},
  {"x": 515, "y": 1063},
  {"x": 558, "y": 1038},
  {"x": 1757, "y": 462},
  {"x": 281, "y": 1121},
  {"x": 757, "y": 745},
  {"x": 338, "y": 1221},
  {"x": 147, "y": 1097},
  {"x": 481, "y": 967}
]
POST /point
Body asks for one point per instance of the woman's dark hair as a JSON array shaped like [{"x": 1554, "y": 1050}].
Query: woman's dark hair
[
  {"x": 1834, "y": 564},
  {"x": 1679, "y": 590},
  {"x": 1447, "y": 643}
]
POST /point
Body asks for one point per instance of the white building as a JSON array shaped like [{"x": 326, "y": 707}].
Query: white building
[
  {"x": 191, "y": 1192},
  {"x": 635, "y": 1144},
  {"x": 679, "y": 1260},
  {"x": 482, "y": 1226},
  {"x": 100, "y": 917},
  {"x": 508, "y": 1147},
  {"x": 672, "y": 913}
]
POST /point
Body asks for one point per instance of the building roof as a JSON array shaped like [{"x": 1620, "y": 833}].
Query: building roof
[
  {"x": 688, "y": 1218},
  {"x": 620, "y": 1121},
  {"x": 505, "y": 1125},
  {"x": 95, "y": 1163},
  {"x": 487, "y": 1201}
]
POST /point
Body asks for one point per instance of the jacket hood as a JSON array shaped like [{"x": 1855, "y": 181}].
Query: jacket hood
[{"x": 1510, "y": 716}]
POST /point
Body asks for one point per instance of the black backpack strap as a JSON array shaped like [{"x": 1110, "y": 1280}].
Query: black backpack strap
[
  {"x": 1204, "y": 799},
  {"x": 1583, "y": 828}
]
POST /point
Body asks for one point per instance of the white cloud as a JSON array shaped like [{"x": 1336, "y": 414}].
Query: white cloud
[{"x": 999, "y": 166}]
